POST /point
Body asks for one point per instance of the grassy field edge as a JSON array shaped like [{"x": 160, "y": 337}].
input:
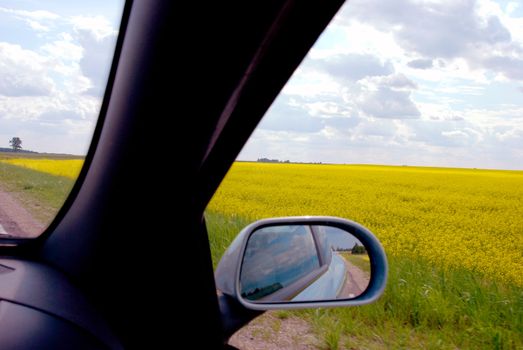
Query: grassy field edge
[
  {"x": 40, "y": 193},
  {"x": 424, "y": 306}
]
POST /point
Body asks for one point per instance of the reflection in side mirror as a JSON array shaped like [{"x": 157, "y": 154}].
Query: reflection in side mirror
[
  {"x": 303, "y": 263},
  {"x": 300, "y": 262}
]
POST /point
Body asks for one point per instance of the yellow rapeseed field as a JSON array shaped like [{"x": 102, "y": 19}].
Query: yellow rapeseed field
[
  {"x": 452, "y": 217},
  {"x": 61, "y": 167}
]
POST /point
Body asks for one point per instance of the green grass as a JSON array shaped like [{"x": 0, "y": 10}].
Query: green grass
[
  {"x": 9, "y": 155},
  {"x": 359, "y": 260},
  {"x": 424, "y": 306},
  {"x": 40, "y": 193},
  {"x": 222, "y": 230}
]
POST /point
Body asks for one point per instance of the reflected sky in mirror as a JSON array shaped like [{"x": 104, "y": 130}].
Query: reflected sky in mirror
[
  {"x": 276, "y": 257},
  {"x": 338, "y": 238}
]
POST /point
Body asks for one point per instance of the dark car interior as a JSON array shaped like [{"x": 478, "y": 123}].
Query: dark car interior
[{"x": 126, "y": 263}]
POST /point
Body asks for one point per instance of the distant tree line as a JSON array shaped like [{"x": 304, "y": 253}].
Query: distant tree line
[
  {"x": 10, "y": 150},
  {"x": 356, "y": 249},
  {"x": 267, "y": 160}
]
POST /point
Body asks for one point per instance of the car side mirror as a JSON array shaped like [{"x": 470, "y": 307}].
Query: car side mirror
[{"x": 303, "y": 262}]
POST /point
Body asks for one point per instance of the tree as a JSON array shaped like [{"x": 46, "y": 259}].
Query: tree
[
  {"x": 358, "y": 249},
  {"x": 16, "y": 143}
]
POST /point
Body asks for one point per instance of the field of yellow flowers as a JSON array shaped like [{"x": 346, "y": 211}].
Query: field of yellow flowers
[
  {"x": 454, "y": 240},
  {"x": 69, "y": 168},
  {"x": 452, "y": 217}
]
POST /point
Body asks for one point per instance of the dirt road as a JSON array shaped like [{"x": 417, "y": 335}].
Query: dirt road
[
  {"x": 269, "y": 332},
  {"x": 356, "y": 282},
  {"x": 15, "y": 220}
]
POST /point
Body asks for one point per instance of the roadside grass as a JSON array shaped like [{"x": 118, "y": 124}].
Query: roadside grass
[
  {"x": 360, "y": 260},
  {"x": 221, "y": 231},
  {"x": 40, "y": 193},
  {"x": 425, "y": 306}
]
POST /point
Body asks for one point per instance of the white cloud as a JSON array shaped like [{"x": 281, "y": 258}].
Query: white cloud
[
  {"x": 421, "y": 63},
  {"x": 327, "y": 109},
  {"x": 98, "y": 26},
  {"x": 474, "y": 31},
  {"x": 447, "y": 29},
  {"x": 357, "y": 38},
  {"x": 96, "y": 60},
  {"x": 388, "y": 103},
  {"x": 360, "y": 85},
  {"x": 35, "y": 19},
  {"x": 396, "y": 81},
  {"x": 37, "y": 15},
  {"x": 310, "y": 82},
  {"x": 511, "y": 135},
  {"x": 289, "y": 114},
  {"x": 511, "y": 7},
  {"x": 37, "y": 26},
  {"x": 455, "y": 134},
  {"x": 23, "y": 72},
  {"x": 50, "y": 95},
  {"x": 63, "y": 49},
  {"x": 31, "y": 108},
  {"x": 353, "y": 67}
]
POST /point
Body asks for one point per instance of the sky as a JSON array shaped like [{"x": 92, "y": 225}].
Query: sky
[
  {"x": 278, "y": 254},
  {"x": 54, "y": 61},
  {"x": 340, "y": 238},
  {"x": 402, "y": 82},
  {"x": 405, "y": 82}
]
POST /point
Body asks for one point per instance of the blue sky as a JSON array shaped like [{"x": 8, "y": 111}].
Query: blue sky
[
  {"x": 340, "y": 239},
  {"x": 54, "y": 62},
  {"x": 416, "y": 82}
]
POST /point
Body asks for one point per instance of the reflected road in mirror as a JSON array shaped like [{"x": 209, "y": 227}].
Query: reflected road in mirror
[{"x": 350, "y": 252}]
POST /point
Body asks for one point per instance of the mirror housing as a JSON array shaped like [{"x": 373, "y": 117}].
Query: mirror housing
[{"x": 229, "y": 270}]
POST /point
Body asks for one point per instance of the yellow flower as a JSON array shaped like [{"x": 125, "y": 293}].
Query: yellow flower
[{"x": 61, "y": 167}]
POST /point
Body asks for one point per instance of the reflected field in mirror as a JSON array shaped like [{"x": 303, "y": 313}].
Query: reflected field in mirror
[{"x": 300, "y": 263}]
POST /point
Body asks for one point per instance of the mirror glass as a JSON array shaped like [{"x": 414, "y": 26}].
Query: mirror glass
[{"x": 298, "y": 263}]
